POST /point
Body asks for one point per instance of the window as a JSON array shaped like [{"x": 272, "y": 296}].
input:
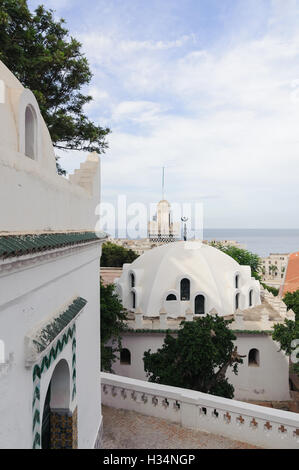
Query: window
[
  {"x": 237, "y": 301},
  {"x": 133, "y": 299},
  {"x": 132, "y": 280},
  {"x": 125, "y": 357},
  {"x": 250, "y": 298},
  {"x": 171, "y": 297},
  {"x": 199, "y": 308},
  {"x": 30, "y": 132},
  {"x": 254, "y": 358},
  {"x": 185, "y": 289},
  {"x": 237, "y": 281}
]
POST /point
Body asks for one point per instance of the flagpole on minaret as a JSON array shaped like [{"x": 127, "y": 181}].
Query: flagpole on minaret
[{"x": 163, "y": 192}]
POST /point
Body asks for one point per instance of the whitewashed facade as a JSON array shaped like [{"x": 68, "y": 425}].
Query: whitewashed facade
[
  {"x": 49, "y": 286},
  {"x": 187, "y": 280}
]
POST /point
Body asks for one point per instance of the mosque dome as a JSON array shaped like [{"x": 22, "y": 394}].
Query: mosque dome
[{"x": 182, "y": 276}]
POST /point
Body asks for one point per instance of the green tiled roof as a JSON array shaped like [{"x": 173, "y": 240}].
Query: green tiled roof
[
  {"x": 17, "y": 245},
  {"x": 49, "y": 332}
]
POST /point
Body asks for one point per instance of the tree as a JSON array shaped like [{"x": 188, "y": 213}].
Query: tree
[
  {"x": 115, "y": 256},
  {"x": 197, "y": 358},
  {"x": 113, "y": 317},
  {"x": 287, "y": 332},
  {"x": 242, "y": 256},
  {"x": 39, "y": 51}
]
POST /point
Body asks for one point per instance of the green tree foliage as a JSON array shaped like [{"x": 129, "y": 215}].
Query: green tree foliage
[
  {"x": 39, "y": 51},
  {"x": 243, "y": 257},
  {"x": 289, "y": 331},
  {"x": 291, "y": 299},
  {"x": 115, "y": 256},
  {"x": 113, "y": 317},
  {"x": 196, "y": 358},
  {"x": 274, "y": 291}
]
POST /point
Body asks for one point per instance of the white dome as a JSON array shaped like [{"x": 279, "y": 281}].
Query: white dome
[{"x": 211, "y": 274}]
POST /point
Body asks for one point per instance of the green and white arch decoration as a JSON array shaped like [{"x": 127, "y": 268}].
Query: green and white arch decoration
[{"x": 52, "y": 339}]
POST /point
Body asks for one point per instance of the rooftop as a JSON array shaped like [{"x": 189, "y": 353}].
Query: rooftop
[{"x": 291, "y": 283}]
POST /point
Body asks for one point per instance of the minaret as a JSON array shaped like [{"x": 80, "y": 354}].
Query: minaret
[{"x": 161, "y": 227}]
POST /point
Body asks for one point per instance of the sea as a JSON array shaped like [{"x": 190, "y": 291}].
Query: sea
[{"x": 259, "y": 241}]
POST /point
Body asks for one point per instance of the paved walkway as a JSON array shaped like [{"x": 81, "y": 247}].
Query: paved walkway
[{"x": 130, "y": 430}]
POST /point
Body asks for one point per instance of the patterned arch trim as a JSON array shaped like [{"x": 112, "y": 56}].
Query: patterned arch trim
[{"x": 38, "y": 371}]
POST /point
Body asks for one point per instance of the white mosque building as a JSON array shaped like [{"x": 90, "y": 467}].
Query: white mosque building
[
  {"x": 49, "y": 286},
  {"x": 185, "y": 280}
]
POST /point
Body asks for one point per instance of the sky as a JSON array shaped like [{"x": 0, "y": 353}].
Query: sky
[{"x": 207, "y": 88}]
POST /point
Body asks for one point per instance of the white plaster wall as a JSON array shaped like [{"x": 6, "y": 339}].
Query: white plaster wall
[
  {"x": 137, "y": 344},
  {"x": 27, "y": 297},
  {"x": 34, "y": 200},
  {"x": 269, "y": 381},
  {"x": 33, "y": 197}
]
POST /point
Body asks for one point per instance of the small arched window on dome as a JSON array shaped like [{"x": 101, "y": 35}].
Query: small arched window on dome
[
  {"x": 30, "y": 132},
  {"x": 125, "y": 356},
  {"x": 132, "y": 280},
  {"x": 254, "y": 358},
  {"x": 171, "y": 297},
  {"x": 237, "y": 281},
  {"x": 250, "y": 298},
  {"x": 133, "y": 299},
  {"x": 185, "y": 289},
  {"x": 237, "y": 301},
  {"x": 199, "y": 307}
]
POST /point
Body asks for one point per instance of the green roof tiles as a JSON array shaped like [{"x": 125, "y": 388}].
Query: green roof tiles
[
  {"x": 48, "y": 333},
  {"x": 17, "y": 245}
]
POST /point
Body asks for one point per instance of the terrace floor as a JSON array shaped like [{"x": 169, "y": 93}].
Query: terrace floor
[{"x": 130, "y": 430}]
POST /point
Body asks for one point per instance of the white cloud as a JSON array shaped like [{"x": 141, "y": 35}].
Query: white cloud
[
  {"x": 137, "y": 111},
  {"x": 105, "y": 48},
  {"x": 224, "y": 120}
]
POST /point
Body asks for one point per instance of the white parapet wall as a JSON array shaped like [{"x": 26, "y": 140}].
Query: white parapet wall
[{"x": 257, "y": 425}]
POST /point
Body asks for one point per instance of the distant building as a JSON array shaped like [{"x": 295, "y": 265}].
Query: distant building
[
  {"x": 273, "y": 269},
  {"x": 162, "y": 227},
  {"x": 291, "y": 280},
  {"x": 225, "y": 243}
]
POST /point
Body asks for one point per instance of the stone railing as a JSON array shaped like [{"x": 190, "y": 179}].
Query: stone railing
[{"x": 257, "y": 425}]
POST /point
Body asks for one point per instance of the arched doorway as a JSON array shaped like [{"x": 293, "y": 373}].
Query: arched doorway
[{"x": 59, "y": 424}]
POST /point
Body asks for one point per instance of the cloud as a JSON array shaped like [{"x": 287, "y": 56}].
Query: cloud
[
  {"x": 223, "y": 119},
  {"x": 137, "y": 111}
]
